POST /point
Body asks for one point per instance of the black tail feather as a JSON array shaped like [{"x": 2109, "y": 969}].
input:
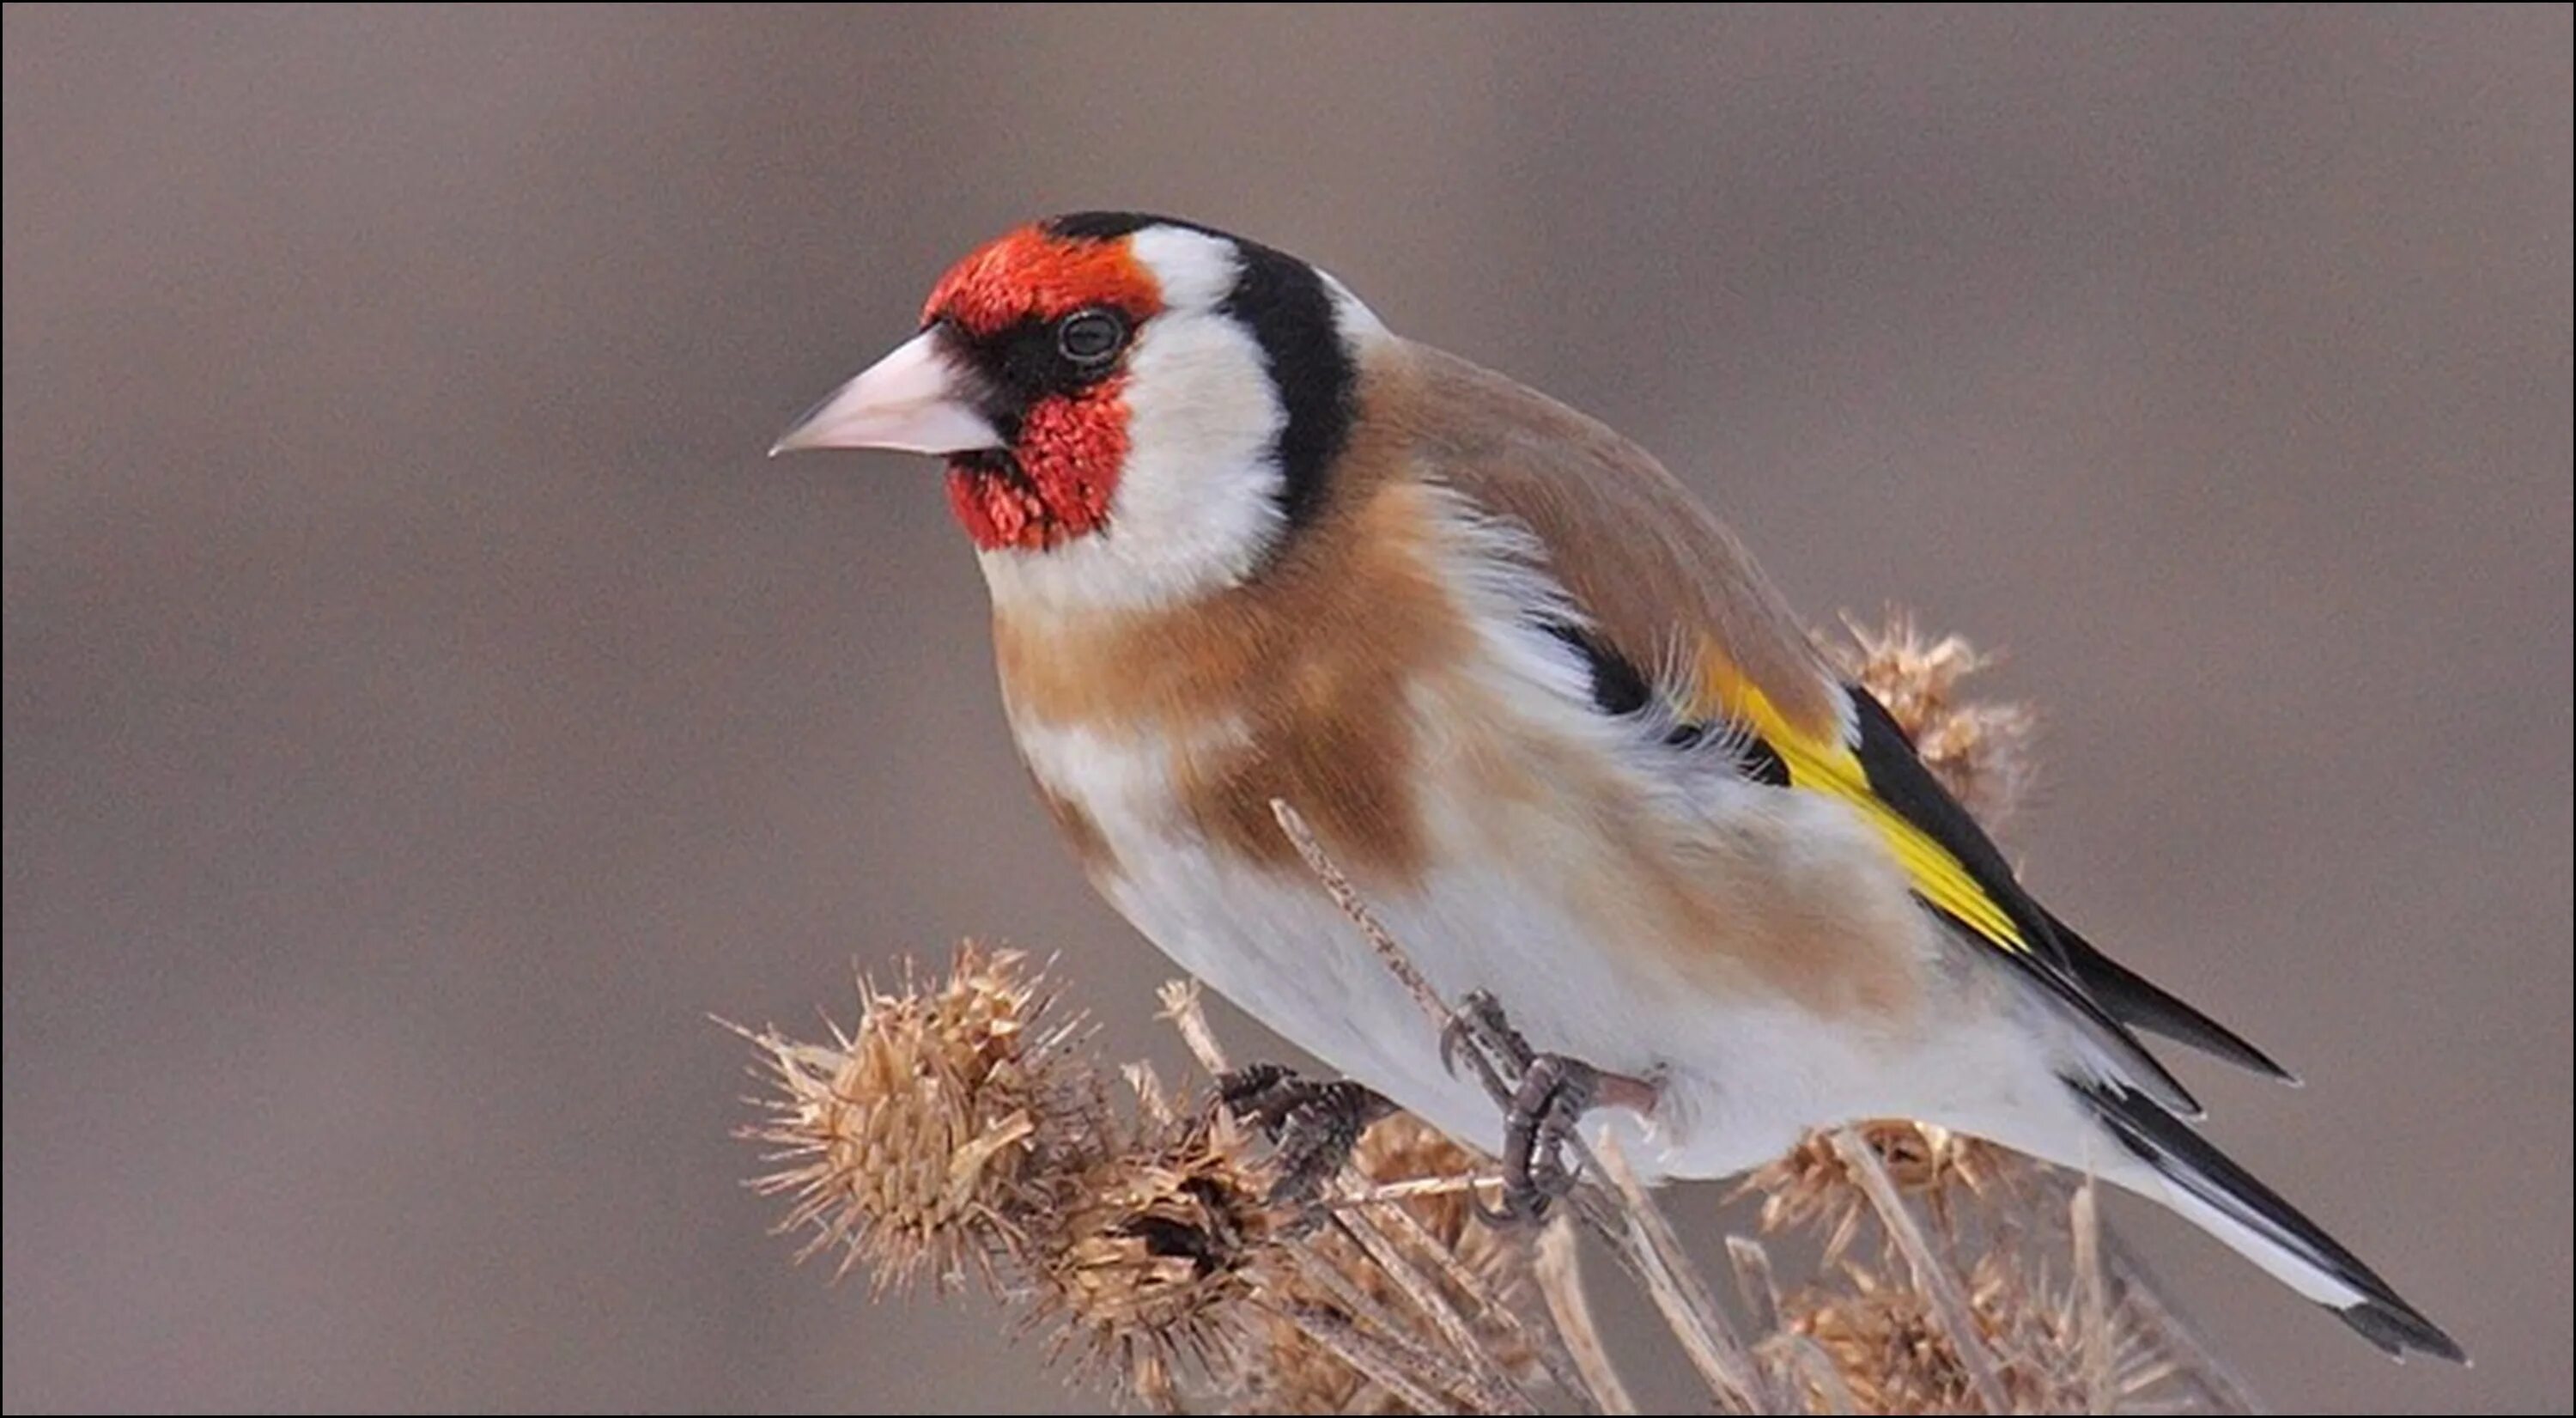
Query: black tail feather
[
  {"x": 2138, "y": 1002},
  {"x": 2397, "y": 1329},
  {"x": 2187, "y": 1160}
]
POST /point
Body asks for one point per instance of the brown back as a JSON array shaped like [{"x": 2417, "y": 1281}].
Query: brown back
[{"x": 1643, "y": 556}]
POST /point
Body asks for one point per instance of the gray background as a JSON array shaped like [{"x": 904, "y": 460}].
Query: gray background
[{"x": 424, "y": 705}]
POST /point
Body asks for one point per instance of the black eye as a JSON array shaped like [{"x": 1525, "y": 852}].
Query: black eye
[{"x": 1090, "y": 337}]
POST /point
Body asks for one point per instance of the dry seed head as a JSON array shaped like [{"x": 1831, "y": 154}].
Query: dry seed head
[
  {"x": 1810, "y": 1189},
  {"x": 1893, "y": 1355},
  {"x": 1149, "y": 1252},
  {"x": 910, "y": 1139},
  {"x": 1886, "y": 1346}
]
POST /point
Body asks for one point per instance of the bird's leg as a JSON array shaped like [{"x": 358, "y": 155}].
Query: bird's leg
[
  {"x": 1550, "y": 1099},
  {"x": 1313, "y": 1126}
]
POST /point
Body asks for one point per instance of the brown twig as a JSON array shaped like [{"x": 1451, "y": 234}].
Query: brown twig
[
  {"x": 1502, "y": 1392},
  {"x": 1389, "y": 1366},
  {"x": 1356, "y": 907},
  {"x": 1375, "y": 1194},
  {"x": 1488, "y": 1391},
  {"x": 1180, "y": 1001},
  {"x": 2099, "y": 1345}
]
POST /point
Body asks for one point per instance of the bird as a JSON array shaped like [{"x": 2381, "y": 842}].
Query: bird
[{"x": 1244, "y": 545}]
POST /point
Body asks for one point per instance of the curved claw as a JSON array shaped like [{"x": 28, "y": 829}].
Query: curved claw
[
  {"x": 1258, "y": 1093},
  {"x": 1526, "y": 1200},
  {"x": 1519, "y": 1204},
  {"x": 1453, "y": 1038},
  {"x": 1479, "y": 1020}
]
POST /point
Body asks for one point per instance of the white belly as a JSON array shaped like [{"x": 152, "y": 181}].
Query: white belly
[{"x": 1739, "y": 1078}]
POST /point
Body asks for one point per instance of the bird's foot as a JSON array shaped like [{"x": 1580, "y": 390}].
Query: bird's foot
[
  {"x": 1546, "y": 1104},
  {"x": 1312, "y": 1126},
  {"x": 1554, "y": 1094}
]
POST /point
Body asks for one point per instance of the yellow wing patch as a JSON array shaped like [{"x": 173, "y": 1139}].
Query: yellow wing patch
[{"x": 1824, "y": 763}]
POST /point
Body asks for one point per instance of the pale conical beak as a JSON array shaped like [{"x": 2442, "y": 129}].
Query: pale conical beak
[{"x": 912, "y": 400}]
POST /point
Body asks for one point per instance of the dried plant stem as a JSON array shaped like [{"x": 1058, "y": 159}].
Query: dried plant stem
[
  {"x": 1363, "y": 1231},
  {"x": 1818, "y": 1369},
  {"x": 1353, "y": 905},
  {"x": 1379, "y": 1194},
  {"x": 2099, "y": 1346},
  {"x": 1678, "y": 1293},
  {"x": 1547, "y": 1347},
  {"x": 1940, "y": 1288},
  {"x": 1481, "y": 1382},
  {"x": 1560, "y": 1283},
  {"x": 2221, "y": 1390},
  {"x": 1755, "y": 1282},
  {"x": 1180, "y": 1000},
  {"x": 1386, "y": 1365},
  {"x": 1788, "y": 1357}
]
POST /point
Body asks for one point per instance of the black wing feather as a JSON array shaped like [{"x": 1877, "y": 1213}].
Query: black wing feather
[
  {"x": 1898, "y": 778},
  {"x": 2139, "y": 1002}
]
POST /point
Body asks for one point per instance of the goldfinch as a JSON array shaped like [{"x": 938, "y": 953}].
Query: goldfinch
[{"x": 1244, "y": 544}]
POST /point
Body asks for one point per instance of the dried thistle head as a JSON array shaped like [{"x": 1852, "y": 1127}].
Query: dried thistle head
[
  {"x": 1810, "y": 1188},
  {"x": 1151, "y": 1250},
  {"x": 910, "y": 1138},
  {"x": 1888, "y": 1350},
  {"x": 1890, "y": 1353},
  {"x": 1980, "y": 752}
]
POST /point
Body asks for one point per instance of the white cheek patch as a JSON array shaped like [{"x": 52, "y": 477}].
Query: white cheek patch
[
  {"x": 1197, "y": 504},
  {"x": 1203, "y": 425}
]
